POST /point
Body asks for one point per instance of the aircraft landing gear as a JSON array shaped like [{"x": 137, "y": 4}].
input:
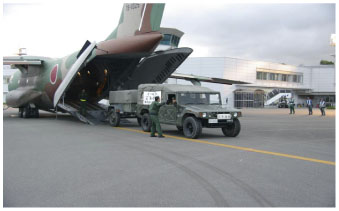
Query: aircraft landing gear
[{"x": 29, "y": 112}]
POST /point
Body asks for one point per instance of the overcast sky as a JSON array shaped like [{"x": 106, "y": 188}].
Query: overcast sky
[{"x": 283, "y": 33}]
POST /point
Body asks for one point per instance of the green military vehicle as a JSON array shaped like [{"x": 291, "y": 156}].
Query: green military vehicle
[{"x": 196, "y": 107}]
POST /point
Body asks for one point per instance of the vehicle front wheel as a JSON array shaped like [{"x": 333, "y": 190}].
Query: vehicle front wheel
[
  {"x": 232, "y": 130},
  {"x": 114, "y": 119},
  {"x": 146, "y": 122},
  {"x": 192, "y": 127}
]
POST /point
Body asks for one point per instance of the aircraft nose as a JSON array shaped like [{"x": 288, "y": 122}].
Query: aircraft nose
[{"x": 132, "y": 44}]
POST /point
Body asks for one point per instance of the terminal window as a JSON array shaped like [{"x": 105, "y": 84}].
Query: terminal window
[{"x": 296, "y": 78}]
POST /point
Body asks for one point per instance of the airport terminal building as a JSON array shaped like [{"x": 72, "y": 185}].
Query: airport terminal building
[{"x": 267, "y": 81}]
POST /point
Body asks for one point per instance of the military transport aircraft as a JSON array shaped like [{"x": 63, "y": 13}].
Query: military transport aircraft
[{"x": 122, "y": 61}]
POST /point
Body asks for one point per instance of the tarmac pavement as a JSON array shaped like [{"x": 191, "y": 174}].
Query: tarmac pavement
[{"x": 278, "y": 160}]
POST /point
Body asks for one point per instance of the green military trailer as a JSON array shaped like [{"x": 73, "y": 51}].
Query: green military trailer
[
  {"x": 195, "y": 107},
  {"x": 122, "y": 104}
]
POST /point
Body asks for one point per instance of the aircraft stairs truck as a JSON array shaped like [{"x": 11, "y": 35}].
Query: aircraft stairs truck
[{"x": 195, "y": 107}]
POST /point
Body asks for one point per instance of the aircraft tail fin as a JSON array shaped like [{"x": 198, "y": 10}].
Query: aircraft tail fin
[{"x": 138, "y": 19}]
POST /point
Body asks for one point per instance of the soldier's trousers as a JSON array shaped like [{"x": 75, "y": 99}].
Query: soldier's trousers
[
  {"x": 310, "y": 110},
  {"x": 155, "y": 125},
  {"x": 292, "y": 110},
  {"x": 83, "y": 108}
]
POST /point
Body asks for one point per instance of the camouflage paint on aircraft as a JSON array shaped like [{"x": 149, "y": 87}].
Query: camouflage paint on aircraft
[{"x": 38, "y": 78}]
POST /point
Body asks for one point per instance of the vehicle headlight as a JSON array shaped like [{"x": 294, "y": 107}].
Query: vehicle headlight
[
  {"x": 201, "y": 114},
  {"x": 235, "y": 114}
]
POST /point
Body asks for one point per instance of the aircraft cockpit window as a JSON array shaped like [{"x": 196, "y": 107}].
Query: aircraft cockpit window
[{"x": 166, "y": 40}]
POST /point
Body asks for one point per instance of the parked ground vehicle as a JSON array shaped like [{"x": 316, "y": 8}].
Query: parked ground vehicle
[
  {"x": 122, "y": 105},
  {"x": 283, "y": 102},
  {"x": 196, "y": 107}
]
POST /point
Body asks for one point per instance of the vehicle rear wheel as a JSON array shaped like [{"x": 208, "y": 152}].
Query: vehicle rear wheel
[
  {"x": 114, "y": 119},
  {"x": 192, "y": 127},
  {"x": 232, "y": 130},
  {"x": 146, "y": 122}
]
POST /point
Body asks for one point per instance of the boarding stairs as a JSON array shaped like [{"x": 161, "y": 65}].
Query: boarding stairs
[
  {"x": 276, "y": 97},
  {"x": 95, "y": 113}
]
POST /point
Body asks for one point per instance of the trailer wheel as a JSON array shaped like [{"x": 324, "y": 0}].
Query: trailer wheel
[
  {"x": 232, "y": 130},
  {"x": 114, "y": 119},
  {"x": 192, "y": 127},
  {"x": 146, "y": 122}
]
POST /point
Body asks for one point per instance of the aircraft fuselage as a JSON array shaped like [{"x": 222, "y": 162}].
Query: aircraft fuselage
[{"x": 37, "y": 84}]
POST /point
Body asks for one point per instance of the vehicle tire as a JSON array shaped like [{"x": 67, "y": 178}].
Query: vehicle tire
[
  {"x": 179, "y": 129},
  {"x": 26, "y": 112},
  {"x": 232, "y": 130},
  {"x": 192, "y": 127},
  {"x": 146, "y": 122},
  {"x": 114, "y": 119},
  {"x": 139, "y": 121}
]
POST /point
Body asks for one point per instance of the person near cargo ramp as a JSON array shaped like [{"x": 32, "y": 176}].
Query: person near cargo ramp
[
  {"x": 83, "y": 102},
  {"x": 154, "y": 111}
]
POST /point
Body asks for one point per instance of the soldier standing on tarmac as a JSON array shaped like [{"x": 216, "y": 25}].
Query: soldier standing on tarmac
[
  {"x": 83, "y": 101},
  {"x": 292, "y": 111},
  {"x": 322, "y": 106},
  {"x": 309, "y": 105},
  {"x": 154, "y": 111}
]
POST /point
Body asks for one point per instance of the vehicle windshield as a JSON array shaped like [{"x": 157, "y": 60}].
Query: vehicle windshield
[{"x": 199, "y": 98}]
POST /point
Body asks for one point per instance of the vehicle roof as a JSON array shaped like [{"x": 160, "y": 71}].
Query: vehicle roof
[{"x": 175, "y": 88}]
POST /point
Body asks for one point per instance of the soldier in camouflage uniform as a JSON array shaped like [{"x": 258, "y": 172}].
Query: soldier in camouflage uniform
[
  {"x": 154, "y": 111},
  {"x": 83, "y": 102},
  {"x": 291, "y": 104}
]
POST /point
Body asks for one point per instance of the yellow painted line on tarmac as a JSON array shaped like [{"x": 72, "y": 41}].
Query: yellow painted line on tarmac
[{"x": 239, "y": 148}]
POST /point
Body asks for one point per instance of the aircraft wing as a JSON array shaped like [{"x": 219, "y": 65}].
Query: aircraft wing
[
  {"x": 18, "y": 60},
  {"x": 197, "y": 79}
]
